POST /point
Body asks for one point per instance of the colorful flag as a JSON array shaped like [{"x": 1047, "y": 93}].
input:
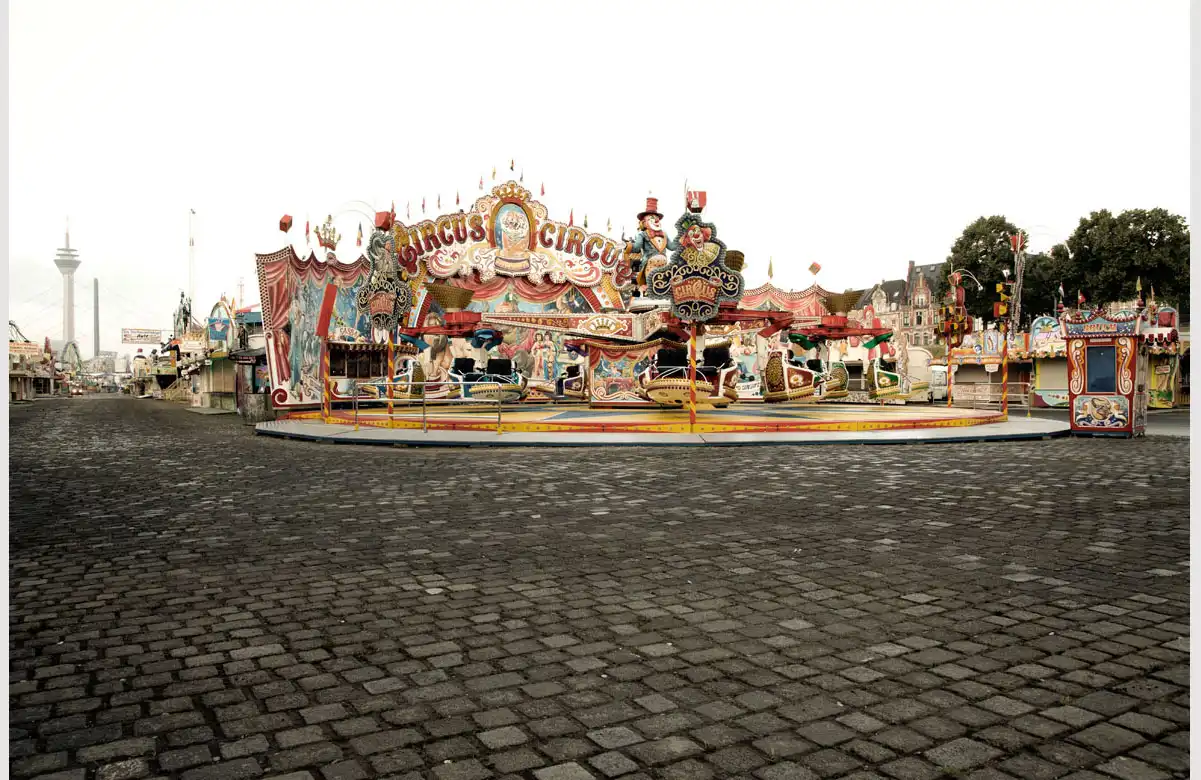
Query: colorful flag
[
  {"x": 814, "y": 268},
  {"x": 571, "y": 218},
  {"x": 481, "y": 182},
  {"x": 306, "y": 229},
  {"x": 544, "y": 189},
  {"x": 1138, "y": 285},
  {"x": 1079, "y": 298},
  {"x": 393, "y": 209},
  {"x": 359, "y": 239},
  {"x": 456, "y": 197}
]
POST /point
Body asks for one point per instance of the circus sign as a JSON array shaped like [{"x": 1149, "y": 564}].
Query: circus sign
[
  {"x": 697, "y": 279},
  {"x": 506, "y": 233}
]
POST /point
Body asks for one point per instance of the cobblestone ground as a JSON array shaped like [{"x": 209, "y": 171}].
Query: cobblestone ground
[{"x": 190, "y": 601}]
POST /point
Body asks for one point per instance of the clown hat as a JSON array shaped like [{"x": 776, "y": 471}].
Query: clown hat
[{"x": 652, "y": 207}]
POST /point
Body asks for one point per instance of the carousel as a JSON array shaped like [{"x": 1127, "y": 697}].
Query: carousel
[{"x": 499, "y": 316}]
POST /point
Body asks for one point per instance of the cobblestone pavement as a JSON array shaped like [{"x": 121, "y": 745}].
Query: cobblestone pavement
[{"x": 190, "y": 601}]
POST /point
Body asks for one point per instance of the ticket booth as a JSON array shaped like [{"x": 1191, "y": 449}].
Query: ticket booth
[{"x": 1107, "y": 373}]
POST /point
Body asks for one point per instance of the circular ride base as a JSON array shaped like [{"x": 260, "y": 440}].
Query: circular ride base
[{"x": 740, "y": 424}]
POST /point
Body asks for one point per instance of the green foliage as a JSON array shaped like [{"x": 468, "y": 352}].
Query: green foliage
[
  {"x": 983, "y": 251},
  {"x": 1111, "y": 253},
  {"x": 1105, "y": 257}
]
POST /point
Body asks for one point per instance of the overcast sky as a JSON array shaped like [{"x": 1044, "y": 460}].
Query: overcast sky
[{"x": 860, "y": 135}]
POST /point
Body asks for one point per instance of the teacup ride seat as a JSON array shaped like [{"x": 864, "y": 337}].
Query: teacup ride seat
[
  {"x": 571, "y": 384},
  {"x": 882, "y": 384},
  {"x": 407, "y": 383},
  {"x": 722, "y": 372},
  {"x": 499, "y": 381},
  {"x": 666, "y": 381},
  {"x": 784, "y": 380}
]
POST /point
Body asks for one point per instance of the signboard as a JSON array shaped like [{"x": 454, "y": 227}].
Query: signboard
[
  {"x": 141, "y": 336},
  {"x": 192, "y": 345},
  {"x": 24, "y": 349},
  {"x": 218, "y": 329}
]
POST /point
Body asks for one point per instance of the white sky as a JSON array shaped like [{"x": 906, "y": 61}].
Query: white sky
[{"x": 861, "y": 135}]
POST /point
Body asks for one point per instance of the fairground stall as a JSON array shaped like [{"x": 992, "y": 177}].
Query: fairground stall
[
  {"x": 1047, "y": 353},
  {"x": 1168, "y": 358},
  {"x": 1108, "y": 371}
]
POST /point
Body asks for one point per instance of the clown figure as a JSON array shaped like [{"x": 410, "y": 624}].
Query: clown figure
[{"x": 651, "y": 243}]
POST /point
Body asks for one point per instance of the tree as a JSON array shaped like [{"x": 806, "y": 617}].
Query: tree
[
  {"x": 1110, "y": 254},
  {"x": 982, "y": 250},
  {"x": 1040, "y": 284}
]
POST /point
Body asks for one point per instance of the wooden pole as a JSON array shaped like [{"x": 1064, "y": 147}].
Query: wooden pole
[
  {"x": 391, "y": 376},
  {"x": 692, "y": 381},
  {"x": 1004, "y": 373},
  {"x": 326, "y": 405}
]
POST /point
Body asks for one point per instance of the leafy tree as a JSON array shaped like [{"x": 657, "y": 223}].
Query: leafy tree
[
  {"x": 1040, "y": 284},
  {"x": 1109, "y": 254},
  {"x": 983, "y": 251}
]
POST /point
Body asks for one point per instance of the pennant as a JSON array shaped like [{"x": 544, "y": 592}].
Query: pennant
[
  {"x": 481, "y": 182},
  {"x": 1079, "y": 298},
  {"x": 571, "y": 219},
  {"x": 493, "y": 173},
  {"x": 544, "y": 189},
  {"x": 306, "y": 229},
  {"x": 393, "y": 209},
  {"x": 521, "y": 178},
  {"x": 585, "y": 220},
  {"x": 439, "y": 202},
  {"x": 1152, "y": 293},
  {"x": 1062, "y": 295},
  {"x": 511, "y": 164},
  {"x": 769, "y": 269},
  {"x": 456, "y": 197},
  {"x": 1138, "y": 285},
  {"x": 408, "y": 214},
  {"x": 358, "y": 241},
  {"x": 608, "y": 225},
  {"x": 423, "y": 205}
]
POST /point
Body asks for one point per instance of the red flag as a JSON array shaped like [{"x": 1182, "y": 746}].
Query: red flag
[
  {"x": 544, "y": 189},
  {"x": 571, "y": 218},
  {"x": 306, "y": 228},
  {"x": 456, "y": 197},
  {"x": 1079, "y": 297},
  {"x": 359, "y": 239},
  {"x": 481, "y": 182}
]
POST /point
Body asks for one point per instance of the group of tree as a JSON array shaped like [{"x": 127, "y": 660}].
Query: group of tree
[{"x": 1105, "y": 259}]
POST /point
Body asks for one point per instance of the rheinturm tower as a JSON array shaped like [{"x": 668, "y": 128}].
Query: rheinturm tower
[{"x": 67, "y": 261}]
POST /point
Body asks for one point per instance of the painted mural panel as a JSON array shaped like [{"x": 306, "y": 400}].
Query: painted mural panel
[{"x": 1101, "y": 411}]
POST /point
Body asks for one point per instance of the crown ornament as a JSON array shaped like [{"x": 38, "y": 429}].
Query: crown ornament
[
  {"x": 327, "y": 236},
  {"x": 511, "y": 189}
]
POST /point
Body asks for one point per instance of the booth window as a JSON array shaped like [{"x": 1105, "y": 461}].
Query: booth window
[{"x": 1101, "y": 370}]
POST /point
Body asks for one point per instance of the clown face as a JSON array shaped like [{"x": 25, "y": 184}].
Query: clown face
[
  {"x": 651, "y": 223},
  {"x": 696, "y": 236}
]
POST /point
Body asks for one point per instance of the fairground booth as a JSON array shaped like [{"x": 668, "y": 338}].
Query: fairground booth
[{"x": 1108, "y": 372}]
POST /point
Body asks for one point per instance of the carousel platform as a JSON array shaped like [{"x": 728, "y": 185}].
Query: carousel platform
[{"x": 582, "y": 426}]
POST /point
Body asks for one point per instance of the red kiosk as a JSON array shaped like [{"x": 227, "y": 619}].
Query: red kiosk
[{"x": 1107, "y": 373}]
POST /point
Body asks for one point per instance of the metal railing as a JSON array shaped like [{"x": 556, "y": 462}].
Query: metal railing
[
  {"x": 408, "y": 401},
  {"x": 985, "y": 394}
]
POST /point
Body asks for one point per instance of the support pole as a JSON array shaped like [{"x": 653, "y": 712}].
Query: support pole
[
  {"x": 692, "y": 381},
  {"x": 326, "y": 405},
  {"x": 391, "y": 375},
  {"x": 1004, "y": 373},
  {"x": 950, "y": 376}
]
